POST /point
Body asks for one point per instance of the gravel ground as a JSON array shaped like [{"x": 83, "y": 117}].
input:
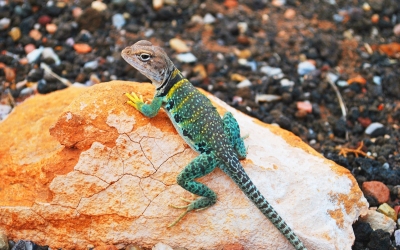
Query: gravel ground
[{"x": 326, "y": 70}]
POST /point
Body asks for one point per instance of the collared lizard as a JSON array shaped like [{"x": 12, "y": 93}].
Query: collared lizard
[{"x": 217, "y": 140}]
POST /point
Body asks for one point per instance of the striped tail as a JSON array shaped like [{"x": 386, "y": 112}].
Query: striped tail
[{"x": 233, "y": 168}]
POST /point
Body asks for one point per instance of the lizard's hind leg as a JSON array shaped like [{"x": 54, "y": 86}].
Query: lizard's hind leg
[
  {"x": 200, "y": 166},
  {"x": 232, "y": 131}
]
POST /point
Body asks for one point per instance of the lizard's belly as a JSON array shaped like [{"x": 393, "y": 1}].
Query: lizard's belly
[{"x": 187, "y": 137}]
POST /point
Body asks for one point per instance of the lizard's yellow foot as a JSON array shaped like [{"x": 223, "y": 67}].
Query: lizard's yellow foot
[
  {"x": 134, "y": 100},
  {"x": 185, "y": 200},
  {"x": 182, "y": 207}
]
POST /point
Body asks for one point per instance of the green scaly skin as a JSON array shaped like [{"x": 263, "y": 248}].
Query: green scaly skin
[{"x": 217, "y": 140}]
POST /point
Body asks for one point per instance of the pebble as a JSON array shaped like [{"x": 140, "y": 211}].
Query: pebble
[
  {"x": 267, "y": 98},
  {"x": 379, "y": 221},
  {"x": 271, "y": 71},
  {"x": 289, "y": 14},
  {"x": 377, "y": 80},
  {"x": 286, "y": 83},
  {"x": 162, "y": 246},
  {"x": 4, "y": 23},
  {"x": 77, "y": 12},
  {"x": 34, "y": 54},
  {"x": 357, "y": 79},
  {"x": 158, "y": 4},
  {"x": 186, "y": 57},
  {"x": 208, "y": 18},
  {"x": 48, "y": 52},
  {"x": 305, "y": 68},
  {"x": 51, "y": 28},
  {"x": 3, "y": 241},
  {"x": 373, "y": 127},
  {"x": 29, "y": 48},
  {"x": 397, "y": 237},
  {"x": 99, "y": 6},
  {"x": 118, "y": 20},
  {"x": 178, "y": 45},
  {"x": 396, "y": 30},
  {"x": 43, "y": 20},
  {"x": 35, "y": 34},
  {"x": 244, "y": 83},
  {"x": 82, "y": 48},
  {"x": 91, "y": 65},
  {"x": 376, "y": 189},
  {"x": 388, "y": 211},
  {"x": 242, "y": 27},
  {"x": 15, "y": 33},
  {"x": 305, "y": 106}
]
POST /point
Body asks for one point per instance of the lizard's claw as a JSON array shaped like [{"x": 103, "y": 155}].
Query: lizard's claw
[
  {"x": 188, "y": 209},
  {"x": 134, "y": 100}
]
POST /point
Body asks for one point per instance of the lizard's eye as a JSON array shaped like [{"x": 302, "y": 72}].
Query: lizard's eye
[{"x": 144, "y": 57}]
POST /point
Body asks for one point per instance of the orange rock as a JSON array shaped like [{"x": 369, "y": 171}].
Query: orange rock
[
  {"x": 230, "y": 3},
  {"x": 375, "y": 18},
  {"x": 357, "y": 79},
  {"x": 82, "y": 48},
  {"x": 35, "y": 34},
  {"x": 106, "y": 175},
  {"x": 289, "y": 14},
  {"x": 378, "y": 190},
  {"x": 51, "y": 28},
  {"x": 391, "y": 49},
  {"x": 305, "y": 106}
]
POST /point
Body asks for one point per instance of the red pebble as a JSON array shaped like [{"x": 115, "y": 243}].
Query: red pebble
[
  {"x": 43, "y": 20},
  {"x": 376, "y": 189},
  {"x": 364, "y": 121}
]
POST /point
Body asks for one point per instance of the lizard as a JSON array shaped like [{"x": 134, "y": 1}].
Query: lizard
[{"x": 216, "y": 139}]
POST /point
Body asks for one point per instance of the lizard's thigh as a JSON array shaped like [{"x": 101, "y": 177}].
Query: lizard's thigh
[
  {"x": 232, "y": 131},
  {"x": 200, "y": 166}
]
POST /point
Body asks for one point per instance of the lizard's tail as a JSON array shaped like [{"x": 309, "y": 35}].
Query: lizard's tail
[{"x": 240, "y": 177}]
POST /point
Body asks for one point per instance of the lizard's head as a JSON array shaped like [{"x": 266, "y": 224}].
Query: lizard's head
[{"x": 150, "y": 60}]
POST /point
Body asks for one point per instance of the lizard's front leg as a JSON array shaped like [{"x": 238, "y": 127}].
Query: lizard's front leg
[
  {"x": 200, "y": 166},
  {"x": 149, "y": 110}
]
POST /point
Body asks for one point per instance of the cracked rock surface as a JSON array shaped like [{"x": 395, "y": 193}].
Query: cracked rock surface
[{"x": 84, "y": 168}]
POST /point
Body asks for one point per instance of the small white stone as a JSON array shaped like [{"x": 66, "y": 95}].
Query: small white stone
[
  {"x": 379, "y": 221},
  {"x": 208, "y": 18},
  {"x": 4, "y": 23},
  {"x": 286, "y": 83},
  {"x": 270, "y": 71},
  {"x": 186, "y": 57},
  {"x": 34, "y": 54},
  {"x": 99, "y": 6},
  {"x": 118, "y": 20},
  {"x": 158, "y": 4},
  {"x": 242, "y": 26},
  {"x": 397, "y": 237},
  {"x": 377, "y": 80},
  {"x": 48, "y": 52},
  {"x": 372, "y": 127},
  {"x": 305, "y": 67},
  {"x": 244, "y": 83},
  {"x": 342, "y": 83},
  {"x": 267, "y": 98}
]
